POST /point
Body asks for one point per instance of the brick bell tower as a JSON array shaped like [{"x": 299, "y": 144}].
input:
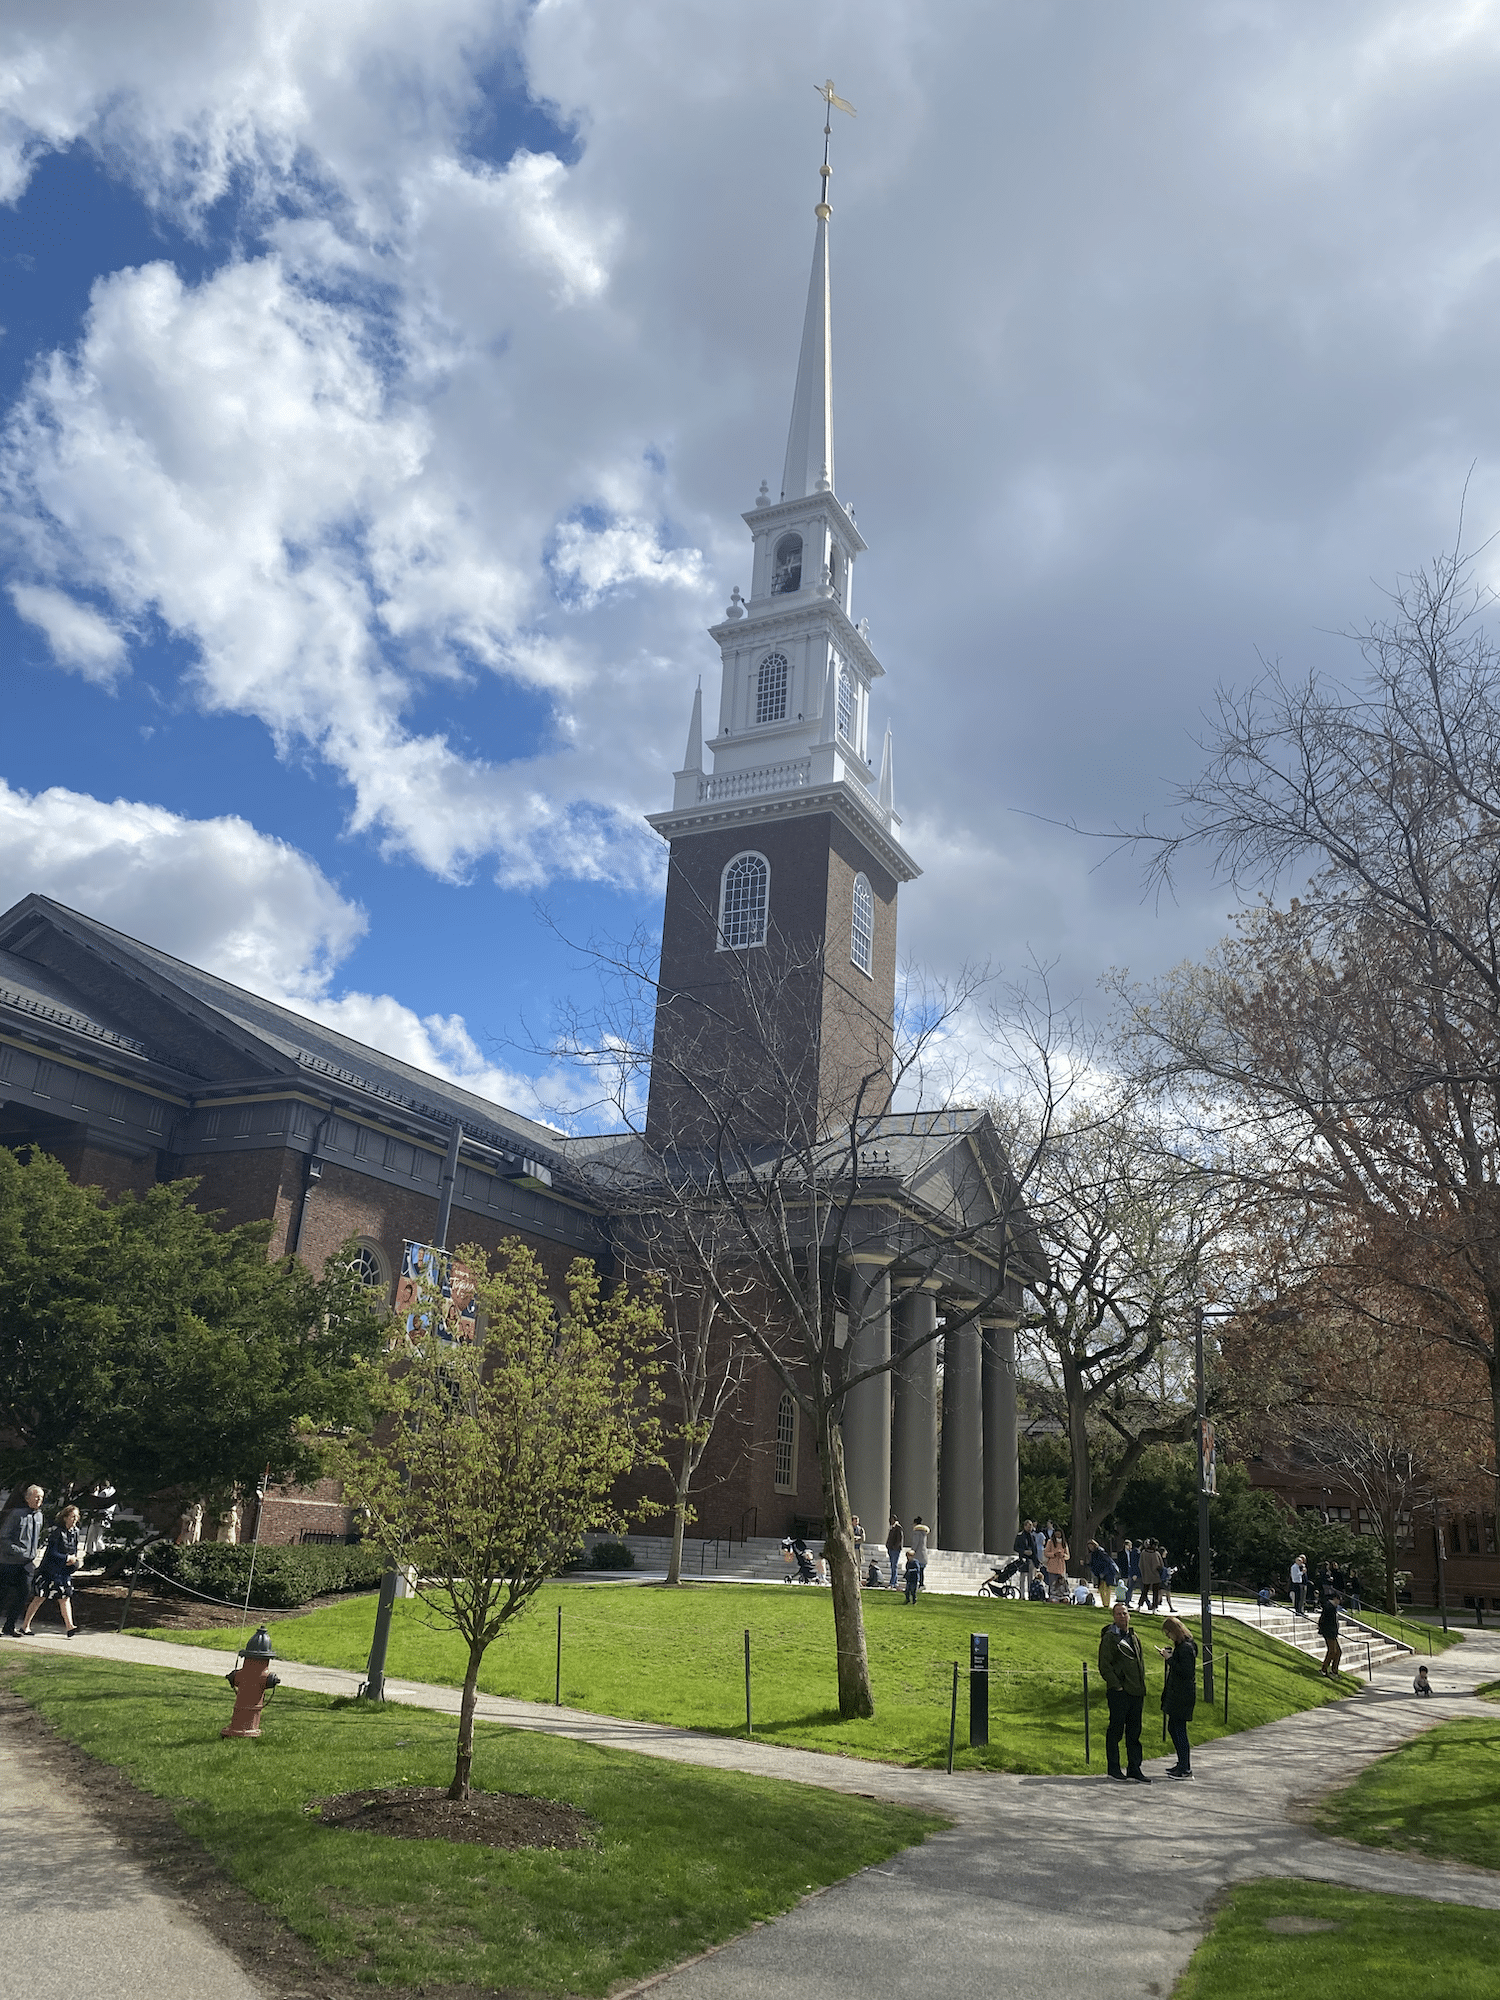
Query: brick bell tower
[{"x": 778, "y": 965}]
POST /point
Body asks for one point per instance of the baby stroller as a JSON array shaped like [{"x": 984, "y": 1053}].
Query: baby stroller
[
  {"x": 795, "y": 1550},
  {"x": 999, "y": 1584}
]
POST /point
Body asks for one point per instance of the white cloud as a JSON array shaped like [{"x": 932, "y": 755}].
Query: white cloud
[
  {"x": 1142, "y": 363},
  {"x": 80, "y": 639},
  {"x": 215, "y": 892}
]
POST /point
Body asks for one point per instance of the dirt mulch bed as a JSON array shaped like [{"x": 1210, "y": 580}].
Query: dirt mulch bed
[{"x": 483, "y": 1819}]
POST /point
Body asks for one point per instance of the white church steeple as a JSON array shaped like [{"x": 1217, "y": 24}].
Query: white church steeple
[{"x": 794, "y": 705}]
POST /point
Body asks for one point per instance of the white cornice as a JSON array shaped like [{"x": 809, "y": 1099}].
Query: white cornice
[
  {"x": 841, "y": 799},
  {"x": 803, "y": 611},
  {"x": 760, "y": 518}
]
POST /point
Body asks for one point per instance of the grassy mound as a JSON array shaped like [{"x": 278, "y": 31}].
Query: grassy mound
[{"x": 1438, "y": 1796}]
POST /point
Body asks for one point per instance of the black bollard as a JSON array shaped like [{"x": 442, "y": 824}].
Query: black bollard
[{"x": 979, "y": 1689}]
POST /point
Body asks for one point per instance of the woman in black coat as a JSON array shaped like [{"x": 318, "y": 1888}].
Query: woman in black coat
[
  {"x": 1179, "y": 1697},
  {"x": 54, "y": 1575}
]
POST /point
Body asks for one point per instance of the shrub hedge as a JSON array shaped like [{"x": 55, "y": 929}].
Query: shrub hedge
[
  {"x": 286, "y": 1575},
  {"x": 609, "y": 1555}
]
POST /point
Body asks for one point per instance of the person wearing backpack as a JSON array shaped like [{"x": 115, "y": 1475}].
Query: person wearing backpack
[
  {"x": 1105, "y": 1571},
  {"x": 1328, "y": 1630}
]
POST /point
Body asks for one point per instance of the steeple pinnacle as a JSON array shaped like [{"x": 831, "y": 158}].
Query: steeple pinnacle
[{"x": 809, "y": 445}]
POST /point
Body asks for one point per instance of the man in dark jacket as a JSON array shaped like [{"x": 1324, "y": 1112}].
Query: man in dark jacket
[
  {"x": 23, "y": 1536},
  {"x": 1328, "y": 1627},
  {"x": 1024, "y": 1546},
  {"x": 1123, "y": 1665}
]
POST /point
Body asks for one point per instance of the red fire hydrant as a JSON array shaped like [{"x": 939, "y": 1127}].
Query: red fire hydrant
[{"x": 251, "y": 1682}]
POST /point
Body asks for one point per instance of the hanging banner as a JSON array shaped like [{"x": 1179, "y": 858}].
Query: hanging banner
[
  {"x": 434, "y": 1287},
  {"x": 1208, "y": 1463}
]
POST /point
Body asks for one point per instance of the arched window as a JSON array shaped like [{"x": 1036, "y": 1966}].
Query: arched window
[
  {"x": 770, "y": 689},
  {"x": 786, "y": 1443},
  {"x": 368, "y": 1265},
  {"x": 862, "y": 930},
  {"x": 847, "y": 706},
  {"x": 786, "y": 571},
  {"x": 742, "y": 902}
]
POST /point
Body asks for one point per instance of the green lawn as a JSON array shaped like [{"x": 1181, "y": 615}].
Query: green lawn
[
  {"x": 1398, "y": 1945},
  {"x": 678, "y": 1657},
  {"x": 1439, "y": 1796},
  {"x": 685, "y": 1859},
  {"x": 1429, "y": 1640}
]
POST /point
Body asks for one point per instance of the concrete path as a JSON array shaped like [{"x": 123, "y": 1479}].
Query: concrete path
[
  {"x": 1044, "y": 1886},
  {"x": 80, "y": 1916}
]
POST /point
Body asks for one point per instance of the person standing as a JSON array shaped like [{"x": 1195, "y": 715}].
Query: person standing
[
  {"x": 1123, "y": 1666},
  {"x": 1354, "y": 1591},
  {"x": 23, "y": 1535},
  {"x": 1024, "y": 1550},
  {"x": 919, "y": 1549},
  {"x": 54, "y": 1574},
  {"x": 1167, "y": 1574},
  {"x": 1105, "y": 1572},
  {"x": 1328, "y": 1629},
  {"x": 1130, "y": 1557},
  {"x": 1150, "y": 1575},
  {"x": 857, "y": 1535},
  {"x": 913, "y": 1574},
  {"x": 895, "y": 1541},
  {"x": 1056, "y": 1560},
  {"x": 1179, "y": 1696},
  {"x": 1299, "y": 1585}
]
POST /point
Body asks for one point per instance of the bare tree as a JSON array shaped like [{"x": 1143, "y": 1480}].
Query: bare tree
[
  {"x": 1128, "y": 1229},
  {"x": 1348, "y": 1048},
  {"x": 783, "y": 1160}
]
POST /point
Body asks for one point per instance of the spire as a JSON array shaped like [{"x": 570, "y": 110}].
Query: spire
[
  {"x": 809, "y": 444},
  {"x": 692, "y": 757}
]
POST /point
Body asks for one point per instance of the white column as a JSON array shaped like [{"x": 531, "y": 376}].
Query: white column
[
  {"x": 866, "y": 1422},
  {"x": 1002, "y": 1471}
]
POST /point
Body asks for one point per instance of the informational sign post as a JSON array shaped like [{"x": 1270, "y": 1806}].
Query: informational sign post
[{"x": 979, "y": 1689}]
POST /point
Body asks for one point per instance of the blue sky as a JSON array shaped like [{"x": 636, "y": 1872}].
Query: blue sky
[{"x": 380, "y": 389}]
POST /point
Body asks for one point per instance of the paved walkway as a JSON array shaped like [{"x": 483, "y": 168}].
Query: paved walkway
[
  {"x": 1047, "y": 1886},
  {"x": 79, "y": 1915}
]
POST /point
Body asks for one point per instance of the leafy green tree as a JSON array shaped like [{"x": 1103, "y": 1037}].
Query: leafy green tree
[
  {"x": 140, "y": 1343},
  {"x": 489, "y": 1462}
]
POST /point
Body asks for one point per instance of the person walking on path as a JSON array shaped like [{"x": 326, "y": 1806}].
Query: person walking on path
[
  {"x": 23, "y": 1535},
  {"x": 1150, "y": 1575},
  {"x": 1299, "y": 1585},
  {"x": 1123, "y": 1666},
  {"x": 54, "y": 1575},
  {"x": 895, "y": 1541},
  {"x": 1167, "y": 1574},
  {"x": 1056, "y": 1561},
  {"x": 919, "y": 1549},
  {"x": 1130, "y": 1562},
  {"x": 1328, "y": 1629},
  {"x": 1179, "y": 1695},
  {"x": 1024, "y": 1549}
]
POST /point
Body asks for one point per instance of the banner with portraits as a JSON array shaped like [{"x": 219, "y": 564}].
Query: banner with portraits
[{"x": 436, "y": 1292}]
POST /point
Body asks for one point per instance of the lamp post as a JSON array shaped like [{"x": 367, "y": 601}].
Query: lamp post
[
  {"x": 1442, "y": 1560},
  {"x": 1205, "y": 1553}
]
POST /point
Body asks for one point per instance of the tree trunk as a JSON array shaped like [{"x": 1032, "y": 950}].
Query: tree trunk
[
  {"x": 464, "y": 1763},
  {"x": 1081, "y": 1524},
  {"x": 679, "y": 1524},
  {"x": 1494, "y": 1368},
  {"x": 855, "y": 1698},
  {"x": 1388, "y": 1550}
]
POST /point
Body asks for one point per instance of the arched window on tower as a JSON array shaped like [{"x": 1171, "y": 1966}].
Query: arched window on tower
[
  {"x": 743, "y": 897},
  {"x": 786, "y": 568},
  {"x": 862, "y": 930},
  {"x": 770, "y": 689},
  {"x": 848, "y": 709},
  {"x": 786, "y": 1443}
]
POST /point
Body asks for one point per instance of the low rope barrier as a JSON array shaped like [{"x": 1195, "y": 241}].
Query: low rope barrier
[{"x": 232, "y": 1603}]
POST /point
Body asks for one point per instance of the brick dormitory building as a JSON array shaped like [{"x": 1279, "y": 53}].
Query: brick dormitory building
[{"x": 785, "y": 862}]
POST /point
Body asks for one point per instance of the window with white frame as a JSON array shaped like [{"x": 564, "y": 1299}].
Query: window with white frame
[
  {"x": 742, "y": 902},
  {"x": 368, "y": 1265},
  {"x": 770, "y": 689},
  {"x": 786, "y": 1443},
  {"x": 862, "y": 929},
  {"x": 848, "y": 708}
]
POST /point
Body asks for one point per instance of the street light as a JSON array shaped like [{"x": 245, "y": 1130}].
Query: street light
[{"x": 1207, "y": 1483}]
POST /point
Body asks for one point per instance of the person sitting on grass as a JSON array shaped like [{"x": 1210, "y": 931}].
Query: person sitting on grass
[
  {"x": 1421, "y": 1685},
  {"x": 913, "y": 1576}
]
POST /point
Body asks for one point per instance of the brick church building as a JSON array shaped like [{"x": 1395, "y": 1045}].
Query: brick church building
[{"x": 785, "y": 863}]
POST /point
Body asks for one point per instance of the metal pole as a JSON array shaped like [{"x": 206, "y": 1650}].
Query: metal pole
[
  {"x": 1205, "y": 1552},
  {"x": 1226, "y": 1687},
  {"x": 557, "y": 1691},
  {"x": 953, "y": 1719},
  {"x": 260, "y": 1508},
  {"x": 1442, "y": 1554},
  {"x": 445, "y": 1192},
  {"x": 1086, "y": 1756},
  {"x": 1369, "y": 1662},
  {"x": 749, "y": 1729}
]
